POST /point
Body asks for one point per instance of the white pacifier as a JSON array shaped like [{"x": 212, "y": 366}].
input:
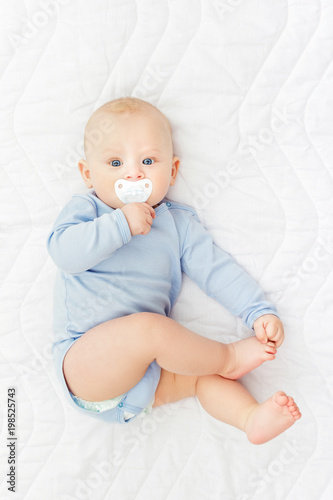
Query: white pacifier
[{"x": 133, "y": 191}]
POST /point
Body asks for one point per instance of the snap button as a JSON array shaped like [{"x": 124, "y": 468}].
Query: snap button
[
  {"x": 168, "y": 204},
  {"x": 121, "y": 405}
]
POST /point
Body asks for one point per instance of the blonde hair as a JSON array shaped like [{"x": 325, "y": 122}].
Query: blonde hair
[
  {"x": 120, "y": 105},
  {"x": 123, "y": 104}
]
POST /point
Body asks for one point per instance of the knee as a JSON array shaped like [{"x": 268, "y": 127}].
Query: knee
[{"x": 201, "y": 385}]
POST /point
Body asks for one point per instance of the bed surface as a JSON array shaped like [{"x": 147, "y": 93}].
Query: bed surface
[{"x": 247, "y": 86}]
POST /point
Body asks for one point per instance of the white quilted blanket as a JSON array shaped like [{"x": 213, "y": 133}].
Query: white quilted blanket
[{"x": 247, "y": 85}]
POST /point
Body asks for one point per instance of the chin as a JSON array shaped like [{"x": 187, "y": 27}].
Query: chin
[
  {"x": 112, "y": 203},
  {"x": 155, "y": 201}
]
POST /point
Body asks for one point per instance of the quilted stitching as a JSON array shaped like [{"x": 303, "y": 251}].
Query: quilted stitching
[{"x": 248, "y": 89}]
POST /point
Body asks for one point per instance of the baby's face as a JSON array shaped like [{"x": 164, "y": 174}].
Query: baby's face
[{"x": 137, "y": 146}]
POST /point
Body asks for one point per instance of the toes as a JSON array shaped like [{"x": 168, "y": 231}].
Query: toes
[
  {"x": 293, "y": 408},
  {"x": 270, "y": 348},
  {"x": 296, "y": 414},
  {"x": 281, "y": 398}
]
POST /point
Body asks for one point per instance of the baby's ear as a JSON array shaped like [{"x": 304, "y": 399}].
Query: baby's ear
[
  {"x": 174, "y": 169},
  {"x": 85, "y": 172}
]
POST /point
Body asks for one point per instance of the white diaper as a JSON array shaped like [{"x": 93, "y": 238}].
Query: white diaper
[
  {"x": 133, "y": 191},
  {"x": 109, "y": 404}
]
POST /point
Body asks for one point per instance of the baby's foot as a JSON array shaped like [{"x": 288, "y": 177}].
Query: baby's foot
[
  {"x": 271, "y": 418},
  {"x": 246, "y": 355}
]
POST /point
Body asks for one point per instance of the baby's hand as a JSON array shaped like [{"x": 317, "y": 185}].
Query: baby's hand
[
  {"x": 269, "y": 327},
  {"x": 139, "y": 217}
]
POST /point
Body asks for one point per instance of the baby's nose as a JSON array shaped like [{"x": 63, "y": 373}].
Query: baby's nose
[{"x": 134, "y": 172}]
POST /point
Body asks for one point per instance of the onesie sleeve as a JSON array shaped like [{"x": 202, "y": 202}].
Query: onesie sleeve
[
  {"x": 218, "y": 274},
  {"x": 80, "y": 239}
]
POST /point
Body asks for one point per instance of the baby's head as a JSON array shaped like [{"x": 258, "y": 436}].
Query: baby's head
[{"x": 128, "y": 139}]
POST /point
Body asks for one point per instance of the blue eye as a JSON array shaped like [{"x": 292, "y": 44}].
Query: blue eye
[
  {"x": 115, "y": 163},
  {"x": 148, "y": 161}
]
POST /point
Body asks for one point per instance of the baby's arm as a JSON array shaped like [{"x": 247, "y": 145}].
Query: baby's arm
[
  {"x": 80, "y": 239},
  {"x": 219, "y": 275}
]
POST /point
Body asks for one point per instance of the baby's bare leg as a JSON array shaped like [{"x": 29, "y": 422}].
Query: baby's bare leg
[
  {"x": 112, "y": 357},
  {"x": 229, "y": 402}
]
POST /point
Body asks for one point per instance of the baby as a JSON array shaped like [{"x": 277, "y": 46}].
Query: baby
[{"x": 121, "y": 249}]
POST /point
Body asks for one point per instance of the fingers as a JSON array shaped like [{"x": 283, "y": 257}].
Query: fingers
[
  {"x": 269, "y": 328},
  {"x": 149, "y": 221},
  {"x": 275, "y": 333},
  {"x": 279, "y": 342},
  {"x": 261, "y": 334},
  {"x": 139, "y": 217},
  {"x": 149, "y": 218},
  {"x": 150, "y": 209}
]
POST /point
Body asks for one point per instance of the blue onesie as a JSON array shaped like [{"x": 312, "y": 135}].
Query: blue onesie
[{"x": 105, "y": 273}]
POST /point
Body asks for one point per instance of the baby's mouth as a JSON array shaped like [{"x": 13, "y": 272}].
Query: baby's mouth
[{"x": 133, "y": 191}]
